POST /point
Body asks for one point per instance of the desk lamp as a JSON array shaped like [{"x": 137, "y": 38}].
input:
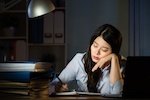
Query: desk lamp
[{"x": 39, "y": 7}]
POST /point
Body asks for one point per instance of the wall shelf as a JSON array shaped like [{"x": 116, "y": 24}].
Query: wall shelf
[{"x": 33, "y": 38}]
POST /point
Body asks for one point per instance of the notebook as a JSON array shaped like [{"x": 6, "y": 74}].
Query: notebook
[{"x": 137, "y": 77}]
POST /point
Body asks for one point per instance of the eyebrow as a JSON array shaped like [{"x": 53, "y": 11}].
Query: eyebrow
[
  {"x": 102, "y": 46},
  {"x": 95, "y": 42}
]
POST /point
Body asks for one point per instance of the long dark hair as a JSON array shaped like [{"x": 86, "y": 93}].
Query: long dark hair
[{"x": 113, "y": 37}]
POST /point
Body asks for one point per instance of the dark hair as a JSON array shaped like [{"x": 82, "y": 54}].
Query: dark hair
[{"x": 113, "y": 37}]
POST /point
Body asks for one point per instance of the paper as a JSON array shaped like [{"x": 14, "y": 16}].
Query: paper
[
  {"x": 75, "y": 93},
  {"x": 78, "y": 93}
]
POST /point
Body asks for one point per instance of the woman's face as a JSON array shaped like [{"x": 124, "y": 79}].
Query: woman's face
[{"x": 99, "y": 49}]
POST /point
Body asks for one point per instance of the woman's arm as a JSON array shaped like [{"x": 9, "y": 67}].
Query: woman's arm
[
  {"x": 68, "y": 74},
  {"x": 115, "y": 73},
  {"x": 114, "y": 84}
]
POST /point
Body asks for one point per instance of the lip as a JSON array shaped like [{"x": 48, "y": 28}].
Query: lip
[{"x": 96, "y": 58}]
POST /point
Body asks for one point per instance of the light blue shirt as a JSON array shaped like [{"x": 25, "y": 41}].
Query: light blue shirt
[{"x": 75, "y": 71}]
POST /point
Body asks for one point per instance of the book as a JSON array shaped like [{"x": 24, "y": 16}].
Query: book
[
  {"x": 20, "y": 92},
  {"x": 77, "y": 93},
  {"x": 14, "y": 87}
]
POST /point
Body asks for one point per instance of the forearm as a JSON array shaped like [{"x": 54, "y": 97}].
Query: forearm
[{"x": 115, "y": 73}]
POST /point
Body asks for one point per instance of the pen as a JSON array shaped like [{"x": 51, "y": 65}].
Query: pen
[
  {"x": 59, "y": 79},
  {"x": 62, "y": 86}
]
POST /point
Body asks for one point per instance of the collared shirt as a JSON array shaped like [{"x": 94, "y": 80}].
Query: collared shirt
[{"x": 75, "y": 71}]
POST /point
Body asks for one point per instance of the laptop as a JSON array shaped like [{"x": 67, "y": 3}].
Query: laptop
[{"x": 137, "y": 77}]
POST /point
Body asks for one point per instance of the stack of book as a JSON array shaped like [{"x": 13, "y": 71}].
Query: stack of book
[{"x": 14, "y": 87}]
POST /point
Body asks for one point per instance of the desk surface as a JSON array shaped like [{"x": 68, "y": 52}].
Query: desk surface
[{"x": 46, "y": 97}]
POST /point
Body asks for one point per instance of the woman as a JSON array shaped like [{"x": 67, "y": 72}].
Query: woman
[{"x": 99, "y": 69}]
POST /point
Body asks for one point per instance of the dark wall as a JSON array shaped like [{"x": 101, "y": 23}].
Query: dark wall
[
  {"x": 139, "y": 35},
  {"x": 84, "y": 16}
]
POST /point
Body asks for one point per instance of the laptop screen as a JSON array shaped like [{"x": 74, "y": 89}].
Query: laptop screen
[{"x": 137, "y": 77}]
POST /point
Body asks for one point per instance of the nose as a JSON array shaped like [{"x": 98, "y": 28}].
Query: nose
[{"x": 98, "y": 52}]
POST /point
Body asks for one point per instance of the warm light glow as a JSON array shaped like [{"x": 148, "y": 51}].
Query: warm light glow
[
  {"x": 39, "y": 7},
  {"x": 40, "y": 11}
]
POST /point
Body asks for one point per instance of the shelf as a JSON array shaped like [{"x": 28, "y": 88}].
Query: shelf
[
  {"x": 21, "y": 5},
  {"x": 12, "y": 38},
  {"x": 29, "y": 39},
  {"x": 12, "y": 24},
  {"x": 41, "y": 44},
  {"x": 14, "y": 11}
]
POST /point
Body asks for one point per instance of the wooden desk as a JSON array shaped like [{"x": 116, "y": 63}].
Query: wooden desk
[{"x": 46, "y": 97}]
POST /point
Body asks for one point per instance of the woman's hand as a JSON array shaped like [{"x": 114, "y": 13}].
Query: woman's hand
[
  {"x": 61, "y": 87},
  {"x": 102, "y": 62},
  {"x": 115, "y": 73}
]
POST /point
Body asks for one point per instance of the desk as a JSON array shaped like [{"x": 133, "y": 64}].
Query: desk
[{"x": 46, "y": 97}]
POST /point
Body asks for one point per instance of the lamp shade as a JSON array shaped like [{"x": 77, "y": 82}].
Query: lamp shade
[{"x": 39, "y": 7}]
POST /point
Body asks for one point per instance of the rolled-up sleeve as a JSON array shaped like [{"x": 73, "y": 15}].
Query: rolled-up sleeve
[
  {"x": 107, "y": 88},
  {"x": 70, "y": 71},
  {"x": 75, "y": 71},
  {"x": 116, "y": 88}
]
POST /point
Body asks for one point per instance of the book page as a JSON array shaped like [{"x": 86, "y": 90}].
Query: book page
[
  {"x": 67, "y": 93},
  {"x": 75, "y": 93},
  {"x": 78, "y": 93},
  {"x": 89, "y": 93}
]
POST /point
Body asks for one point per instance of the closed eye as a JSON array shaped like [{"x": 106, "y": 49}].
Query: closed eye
[
  {"x": 104, "y": 49},
  {"x": 95, "y": 44}
]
